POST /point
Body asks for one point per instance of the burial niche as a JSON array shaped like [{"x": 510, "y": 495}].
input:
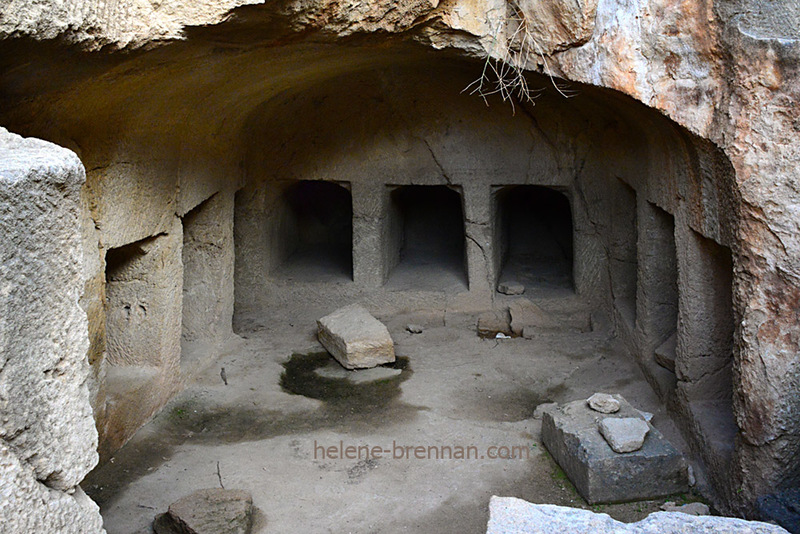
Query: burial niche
[
  {"x": 317, "y": 232},
  {"x": 533, "y": 238},
  {"x": 426, "y": 239}
]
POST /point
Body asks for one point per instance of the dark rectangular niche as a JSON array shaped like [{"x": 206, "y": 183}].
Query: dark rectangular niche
[
  {"x": 426, "y": 239},
  {"x": 534, "y": 238},
  {"x": 317, "y": 232}
]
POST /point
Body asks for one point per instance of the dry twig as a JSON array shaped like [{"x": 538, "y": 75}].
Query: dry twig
[{"x": 504, "y": 70}]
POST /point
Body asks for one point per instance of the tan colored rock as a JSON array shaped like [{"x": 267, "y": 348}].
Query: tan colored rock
[
  {"x": 355, "y": 338},
  {"x": 48, "y": 439},
  {"x": 603, "y": 403}
]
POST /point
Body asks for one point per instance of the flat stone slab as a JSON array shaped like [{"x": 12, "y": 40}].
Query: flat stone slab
[
  {"x": 208, "y": 511},
  {"x": 355, "y": 338},
  {"x": 625, "y": 434},
  {"x": 509, "y": 515},
  {"x": 356, "y": 376},
  {"x": 570, "y": 432}
]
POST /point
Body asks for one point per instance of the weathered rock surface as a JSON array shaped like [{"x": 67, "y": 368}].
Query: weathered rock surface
[
  {"x": 355, "y": 338},
  {"x": 782, "y": 508},
  {"x": 673, "y": 57},
  {"x": 570, "y": 432},
  {"x": 603, "y": 403},
  {"x": 510, "y": 515},
  {"x": 208, "y": 511},
  {"x": 624, "y": 434},
  {"x": 29, "y": 506},
  {"x": 48, "y": 438}
]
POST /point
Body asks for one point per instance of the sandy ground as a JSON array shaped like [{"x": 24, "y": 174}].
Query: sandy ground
[{"x": 259, "y": 431}]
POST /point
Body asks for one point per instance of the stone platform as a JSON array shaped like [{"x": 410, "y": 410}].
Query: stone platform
[{"x": 570, "y": 432}]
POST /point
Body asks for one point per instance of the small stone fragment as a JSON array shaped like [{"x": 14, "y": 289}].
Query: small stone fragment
[
  {"x": 624, "y": 434},
  {"x": 511, "y": 288},
  {"x": 501, "y": 335},
  {"x": 208, "y": 511},
  {"x": 414, "y": 328},
  {"x": 603, "y": 403},
  {"x": 692, "y": 508},
  {"x": 539, "y": 411},
  {"x": 355, "y": 338}
]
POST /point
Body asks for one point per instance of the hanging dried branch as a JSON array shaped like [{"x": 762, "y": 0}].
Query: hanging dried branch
[{"x": 504, "y": 69}]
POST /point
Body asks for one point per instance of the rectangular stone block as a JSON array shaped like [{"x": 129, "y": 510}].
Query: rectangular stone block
[
  {"x": 355, "y": 338},
  {"x": 570, "y": 432}
]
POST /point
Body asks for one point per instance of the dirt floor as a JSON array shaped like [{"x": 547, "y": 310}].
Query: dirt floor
[{"x": 265, "y": 430}]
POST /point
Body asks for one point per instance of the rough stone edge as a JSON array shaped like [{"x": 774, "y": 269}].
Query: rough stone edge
[
  {"x": 29, "y": 505},
  {"x": 510, "y": 514}
]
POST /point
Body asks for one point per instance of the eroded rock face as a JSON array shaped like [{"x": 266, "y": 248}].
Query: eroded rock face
[
  {"x": 48, "y": 439},
  {"x": 726, "y": 71}
]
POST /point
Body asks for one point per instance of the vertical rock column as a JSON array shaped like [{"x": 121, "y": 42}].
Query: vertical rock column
[{"x": 48, "y": 439}]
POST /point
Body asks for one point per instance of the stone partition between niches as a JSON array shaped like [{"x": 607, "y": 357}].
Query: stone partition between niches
[{"x": 48, "y": 439}]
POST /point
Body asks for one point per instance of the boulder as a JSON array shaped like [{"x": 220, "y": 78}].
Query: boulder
[
  {"x": 355, "y": 338},
  {"x": 624, "y": 434},
  {"x": 208, "y": 511},
  {"x": 356, "y": 376},
  {"x": 509, "y": 515}
]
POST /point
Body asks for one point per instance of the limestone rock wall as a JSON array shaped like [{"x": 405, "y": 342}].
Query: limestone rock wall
[
  {"x": 163, "y": 128},
  {"x": 48, "y": 439}
]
